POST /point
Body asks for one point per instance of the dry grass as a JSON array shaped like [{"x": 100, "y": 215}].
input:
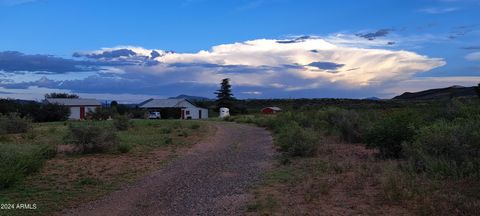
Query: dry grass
[
  {"x": 344, "y": 179},
  {"x": 67, "y": 180}
]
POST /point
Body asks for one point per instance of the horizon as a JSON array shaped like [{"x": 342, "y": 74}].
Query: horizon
[{"x": 270, "y": 49}]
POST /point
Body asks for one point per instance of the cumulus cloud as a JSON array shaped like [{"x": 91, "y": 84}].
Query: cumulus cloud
[
  {"x": 267, "y": 66},
  {"x": 373, "y": 65}
]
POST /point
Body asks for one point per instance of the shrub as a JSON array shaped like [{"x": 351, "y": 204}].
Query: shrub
[
  {"x": 51, "y": 112},
  {"x": 100, "y": 114},
  {"x": 194, "y": 126},
  {"x": 166, "y": 130},
  {"x": 12, "y": 123},
  {"x": 389, "y": 133},
  {"x": 346, "y": 122},
  {"x": 168, "y": 140},
  {"x": 90, "y": 138},
  {"x": 297, "y": 141},
  {"x": 124, "y": 147},
  {"x": 121, "y": 122},
  {"x": 447, "y": 149},
  {"x": 16, "y": 162}
]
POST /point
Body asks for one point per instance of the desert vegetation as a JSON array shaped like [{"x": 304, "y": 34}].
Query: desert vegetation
[
  {"x": 60, "y": 164},
  {"x": 420, "y": 157}
]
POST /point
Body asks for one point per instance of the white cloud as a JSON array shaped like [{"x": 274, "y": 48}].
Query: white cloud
[
  {"x": 252, "y": 92},
  {"x": 342, "y": 62},
  {"x": 15, "y": 2},
  {"x": 361, "y": 66},
  {"x": 434, "y": 10},
  {"x": 475, "y": 56}
]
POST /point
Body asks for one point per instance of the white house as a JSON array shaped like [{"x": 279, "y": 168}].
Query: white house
[
  {"x": 78, "y": 106},
  {"x": 187, "y": 110}
]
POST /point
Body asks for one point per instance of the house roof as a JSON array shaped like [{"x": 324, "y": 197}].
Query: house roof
[
  {"x": 273, "y": 108},
  {"x": 74, "y": 101},
  {"x": 165, "y": 103}
]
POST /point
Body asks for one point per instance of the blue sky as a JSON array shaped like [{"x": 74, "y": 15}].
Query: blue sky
[{"x": 131, "y": 50}]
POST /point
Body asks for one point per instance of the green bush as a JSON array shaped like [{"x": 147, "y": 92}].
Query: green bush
[
  {"x": 168, "y": 140},
  {"x": 124, "y": 147},
  {"x": 346, "y": 122},
  {"x": 389, "y": 133},
  {"x": 17, "y": 162},
  {"x": 51, "y": 112},
  {"x": 12, "y": 123},
  {"x": 101, "y": 114},
  {"x": 121, "y": 122},
  {"x": 91, "y": 138},
  {"x": 447, "y": 149},
  {"x": 294, "y": 140},
  {"x": 166, "y": 130}
]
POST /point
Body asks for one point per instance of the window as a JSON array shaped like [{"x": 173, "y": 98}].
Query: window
[{"x": 187, "y": 112}]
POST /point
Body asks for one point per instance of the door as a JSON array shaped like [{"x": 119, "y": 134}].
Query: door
[
  {"x": 183, "y": 114},
  {"x": 199, "y": 114},
  {"x": 82, "y": 112}
]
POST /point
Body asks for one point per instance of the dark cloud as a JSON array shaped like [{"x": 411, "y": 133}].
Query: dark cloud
[
  {"x": 295, "y": 40},
  {"x": 375, "y": 35},
  {"x": 352, "y": 69},
  {"x": 460, "y": 31},
  {"x": 471, "y": 47},
  {"x": 326, "y": 65},
  {"x": 12, "y": 61},
  {"x": 122, "y": 56},
  {"x": 107, "y": 54},
  {"x": 391, "y": 43}
]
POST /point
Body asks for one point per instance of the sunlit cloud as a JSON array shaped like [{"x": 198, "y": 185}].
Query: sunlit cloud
[{"x": 307, "y": 63}]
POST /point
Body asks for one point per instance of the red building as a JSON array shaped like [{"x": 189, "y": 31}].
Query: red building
[{"x": 270, "y": 110}]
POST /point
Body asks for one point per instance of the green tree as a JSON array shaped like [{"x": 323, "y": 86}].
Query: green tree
[
  {"x": 61, "y": 95},
  {"x": 113, "y": 104},
  {"x": 478, "y": 89},
  {"x": 224, "y": 94}
]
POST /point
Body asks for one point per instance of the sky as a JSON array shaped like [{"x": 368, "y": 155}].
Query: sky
[{"x": 129, "y": 50}]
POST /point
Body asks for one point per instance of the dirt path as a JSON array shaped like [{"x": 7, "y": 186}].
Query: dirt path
[{"x": 212, "y": 178}]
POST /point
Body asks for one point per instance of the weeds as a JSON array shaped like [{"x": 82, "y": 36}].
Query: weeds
[
  {"x": 91, "y": 138},
  {"x": 121, "y": 122},
  {"x": 17, "y": 162},
  {"x": 13, "y": 123}
]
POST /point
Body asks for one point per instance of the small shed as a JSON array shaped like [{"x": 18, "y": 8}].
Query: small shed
[
  {"x": 182, "y": 107},
  {"x": 79, "y": 107},
  {"x": 271, "y": 110}
]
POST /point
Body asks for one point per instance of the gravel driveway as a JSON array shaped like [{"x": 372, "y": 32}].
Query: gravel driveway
[{"x": 211, "y": 178}]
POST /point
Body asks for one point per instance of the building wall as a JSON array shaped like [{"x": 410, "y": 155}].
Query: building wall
[
  {"x": 267, "y": 111},
  {"x": 193, "y": 113},
  {"x": 75, "y": 111}
]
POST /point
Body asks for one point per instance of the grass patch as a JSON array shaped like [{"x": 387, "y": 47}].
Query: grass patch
[{"x": 67, "y": 180}]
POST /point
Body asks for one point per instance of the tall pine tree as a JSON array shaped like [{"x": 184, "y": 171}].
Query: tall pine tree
[{"x": 224, "y": 94}]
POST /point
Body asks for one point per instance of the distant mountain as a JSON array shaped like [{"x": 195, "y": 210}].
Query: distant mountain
[
  {"x": 441, "y": 93},
  {"x": 372, "y": 98},
  {"x": 191, "y": 98}
]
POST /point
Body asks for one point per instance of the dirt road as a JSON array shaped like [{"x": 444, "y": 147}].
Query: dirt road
[{"x": 211, "y": 178}]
